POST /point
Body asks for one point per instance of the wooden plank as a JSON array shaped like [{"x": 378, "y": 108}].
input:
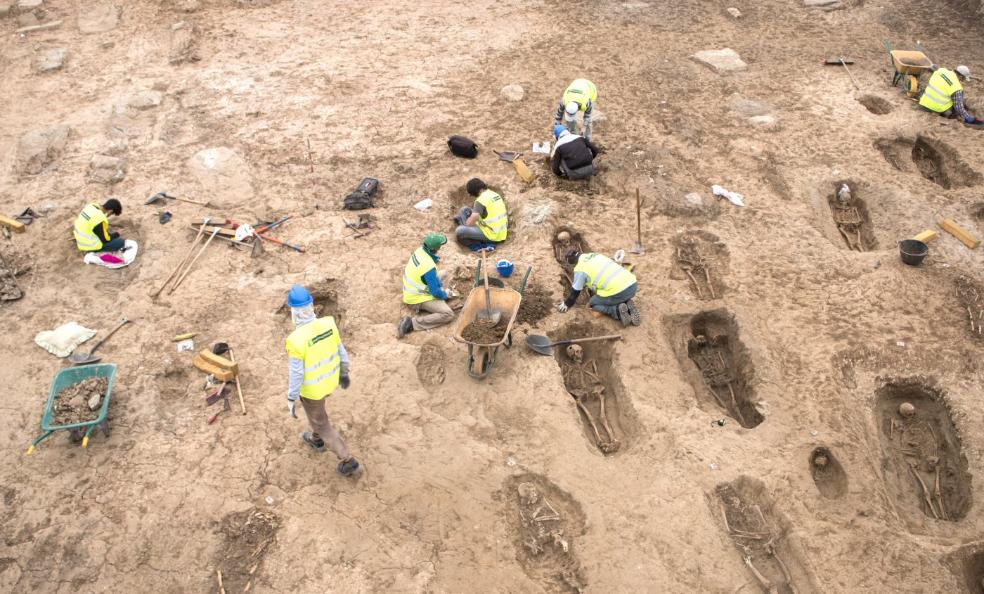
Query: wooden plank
[
  {"x": 523, "y": 171},
  {"x": 223, "y": 375},
  {"x": 223, "y": 231},
  {"x": 219, "y": 361},
  {"x": 926, "y": 236},
  {"x": 951, "y": 227},
  {"x": 13, "y": 224}
]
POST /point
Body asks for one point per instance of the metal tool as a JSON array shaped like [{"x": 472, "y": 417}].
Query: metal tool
[
  {"x": 542, "y": 344},
  {"x": 86, "y": 358},
  {"x": 518, "y": 164},
  {"x": 164, "y": 196},
  {"x": 492, "y": 315},
  {"x": 637, "y": 248}
]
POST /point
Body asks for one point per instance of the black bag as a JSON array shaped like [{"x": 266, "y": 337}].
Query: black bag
[
  {"x": 463, "y": 147},
  {"x": 357, "y": 201}
]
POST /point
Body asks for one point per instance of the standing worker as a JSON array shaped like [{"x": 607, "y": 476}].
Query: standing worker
[
  {"x": 92, "y": 227},
  {"x": 613, "y": 287},
  {"x": 318, "y": 364},
  {"x": 422, "y": 289},
  {"x": 485, "y": 222},
  {"x": 580, "y": 96},
  {"x": 573, "y": 155},
  {"x": 944, "y": 94}
]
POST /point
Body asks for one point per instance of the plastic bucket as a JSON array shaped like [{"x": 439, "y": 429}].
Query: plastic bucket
[
  {"x": 504, "y": 267},
  {"x": 913, "y": 251}
]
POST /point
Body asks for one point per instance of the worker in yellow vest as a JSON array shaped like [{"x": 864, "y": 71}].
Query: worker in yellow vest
[
  {"x": 613, "y": 287},
  {"x": 580, "y": 96},
  {"x": 422, "y": 289},
  {"x": 944, "y": 94},
  {"x": 484, "y": 223},
  {"x": 92, "y": 227},
  {"x": 318, "y": 364}
]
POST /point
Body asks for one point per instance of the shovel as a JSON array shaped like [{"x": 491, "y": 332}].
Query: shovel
[
  {"x": 493, "y": 315},
  {"x": 638, "y": 247},
  {"x": 86, "y": 358},
  {"x": 520, "y": 165},
  {"x": 542, "y": 344},
  {"x": 164, "y": 196}
]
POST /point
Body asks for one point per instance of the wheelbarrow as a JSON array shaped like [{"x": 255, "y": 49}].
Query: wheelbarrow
[
  {"x": 909, "y": 66},
  {"x": 481, "y": 356},
  {"x": 63, "y": 379}
]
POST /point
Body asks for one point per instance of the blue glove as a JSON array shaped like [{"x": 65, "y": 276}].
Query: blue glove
[{"x": 969, "y": 119}]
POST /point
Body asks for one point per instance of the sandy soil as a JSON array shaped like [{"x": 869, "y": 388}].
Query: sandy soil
[{"x": 819, "y": 336}]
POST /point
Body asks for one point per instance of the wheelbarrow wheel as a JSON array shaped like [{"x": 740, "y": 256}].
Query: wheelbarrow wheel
[{"x": 483, "y": 357}]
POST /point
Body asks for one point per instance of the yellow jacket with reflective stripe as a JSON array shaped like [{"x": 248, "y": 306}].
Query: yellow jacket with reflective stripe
[
  {"x": 496, "y": 221},
  {"x": 606, "y": 277},
  {"x": 316, "y": 343},
  {"x": 580, "y": 91},
  {"x": 939, "y": 90},
  {"x": 86, "y": 223},
  {"x": 414, "y": 288}
]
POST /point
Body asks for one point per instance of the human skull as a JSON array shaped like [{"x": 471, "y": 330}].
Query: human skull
[
  {"x": 820, "y": 461},
  {"x": 563, "y": 237},
  {"x": 575, "y": 352},
  {"x": 906, "y": 409}
]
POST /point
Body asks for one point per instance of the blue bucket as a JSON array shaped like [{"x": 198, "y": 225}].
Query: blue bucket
[{"x": 504, "y": 267}]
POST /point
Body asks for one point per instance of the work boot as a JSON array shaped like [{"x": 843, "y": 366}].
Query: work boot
[
  {"x": 623, "y": 314},
  {"x": 635, "y": 316},
  {"x": 404, "y": 327},
  {"x": 317, "y": 445},
  {"x": 349, "y": 467}
]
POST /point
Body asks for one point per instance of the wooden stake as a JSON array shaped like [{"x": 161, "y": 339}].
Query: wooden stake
[
  {"x": 191, "y": 249},
  {"x": 239, "y": 390},
  {"x": 184, "y": 274}
]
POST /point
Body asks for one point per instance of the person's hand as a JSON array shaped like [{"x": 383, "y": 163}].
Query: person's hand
[
  {"x": 292, "y": 407},
  {"x": 344, "y": 381},
  {"x": 562, "y": 307}
]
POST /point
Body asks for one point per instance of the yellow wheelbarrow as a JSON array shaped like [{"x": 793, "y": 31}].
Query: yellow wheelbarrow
[{"x": 909, "y": 66}]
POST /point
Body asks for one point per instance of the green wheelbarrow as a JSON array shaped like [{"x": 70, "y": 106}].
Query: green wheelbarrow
[{"x": 65, "y": 378}]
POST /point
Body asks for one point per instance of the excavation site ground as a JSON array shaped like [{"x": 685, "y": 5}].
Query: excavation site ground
[{"x": 799, "y": 412}]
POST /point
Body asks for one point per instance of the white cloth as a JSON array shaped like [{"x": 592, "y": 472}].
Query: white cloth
[
  {"x": 733, "y": 197},
  {"x": 61, "y": 341},
  {"x": 128, "y": 256}
]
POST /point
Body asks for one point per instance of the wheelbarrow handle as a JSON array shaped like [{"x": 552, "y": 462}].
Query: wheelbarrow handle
[
  {"x": 37, "y": 440},
  {"x": 593, "y": 338}
]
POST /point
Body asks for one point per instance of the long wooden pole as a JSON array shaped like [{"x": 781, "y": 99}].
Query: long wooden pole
[
  {"x": 638, "y": 218},
  {"x": 191, "y": 249},
  {"x": 184, "y": 274},
  {"x": 239, "y": 390}
]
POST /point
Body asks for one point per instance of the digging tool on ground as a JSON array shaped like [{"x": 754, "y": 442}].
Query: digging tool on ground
[
  {"x": 518, "y": 164},
  {"x": 542, "y": 344},
  {"x": 164, "y": 196},
  {"x": 843, "y": 62},
  {"x": 637, "y": 248},
  {"x": 184, "y": 274},
  {"x": 239, "y": 389},
  {"x": 90, "y": 357},
  {"x": 191, "y": 249},
  {"x": 492, "y": 315}
]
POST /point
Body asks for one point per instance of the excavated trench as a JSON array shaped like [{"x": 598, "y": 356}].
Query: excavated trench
[
  {"x": 933, "y": 159},
  {"x": 875, "y": 104},
  {"x": 702, "y": 259},
  {"x": 827, "y": 473},
  {"x": 850, "y": 215}
]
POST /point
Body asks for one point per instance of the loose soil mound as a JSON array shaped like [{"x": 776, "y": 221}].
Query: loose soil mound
[{"x": 72, "y": 403}]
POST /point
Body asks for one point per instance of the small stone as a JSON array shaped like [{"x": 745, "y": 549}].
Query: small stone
[
  {"x": 94, "y": 401},
  {"x": 145, "y": 100},
  {"x": 52, "y": 59},
  {"x": 734, "y": 12},
  {"x": 105, "y": 169},
  {"x": 77, "y": 402},
  {"x": 38, "y": 148},
  {"x": 694, "y": 199},
  {"x": 819, "y": 3},
  {"x": 766, "y": 122},
  {"x": 721, "y": 61},
  {"x": 98, "y": 18},
  {"x": 513, "y": 92}
]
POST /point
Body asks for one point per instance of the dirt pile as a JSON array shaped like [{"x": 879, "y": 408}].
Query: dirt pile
[
  {"x": 72, "y": 402},
  {"x": 248, "y": 537},
  {"x": 484, "y": 331},
  {"x": 536, "y": 305}
]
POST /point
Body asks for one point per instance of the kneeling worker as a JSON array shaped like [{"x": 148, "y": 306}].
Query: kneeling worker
[
  {"x": 487, "y": 221},
  {"x": 573, "y": 155},
  {"x": 422, "y": 289},
  {"x": 92, "y": 228},
  {"x": 318, "y": 364},
  {"x": 944, "y": 94},
  {"x": 613, "y": 287}
]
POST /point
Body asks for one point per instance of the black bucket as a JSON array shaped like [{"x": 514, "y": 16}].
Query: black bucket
[{"x": 913, "y": 251}]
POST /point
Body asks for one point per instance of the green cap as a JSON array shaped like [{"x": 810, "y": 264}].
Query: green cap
[{"x": 434, "y": 241}]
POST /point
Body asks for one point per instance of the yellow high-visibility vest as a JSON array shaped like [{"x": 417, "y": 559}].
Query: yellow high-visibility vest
[
  {"x": 86, "y": 223},
  {"x": 414, "y": 288},
  {"x": 938, "y": 95},
  {"x": 495, "y": 224},
  {"x": 580, "y": 91},
  {"x": 316, "y": 343},
  {"x": 606, "y": 277}
]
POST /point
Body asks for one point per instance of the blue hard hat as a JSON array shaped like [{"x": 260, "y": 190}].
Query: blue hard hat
[
  {"x": 558, "y": 129},
  {"x": 299, "y": 297}
]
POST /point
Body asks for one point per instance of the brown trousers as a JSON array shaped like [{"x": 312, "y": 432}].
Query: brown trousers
[
  {"x": 321, "y": 427},
  {"x": 437, "y": 313}
]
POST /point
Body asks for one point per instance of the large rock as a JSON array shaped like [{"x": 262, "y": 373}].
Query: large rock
[
  {"x": 145, "y": 100},
  {"x": 38, "y": 148},
  {"x": 98, "y": 18},
  {"x": 104, "y": 169},
  {"x": 721, "y": 61},
  {"x": 513, "y": 92},
  {"x": 748, "y": 107},
  {"x": 223, "y": 175},
  {"x": 51, "y": 59}
]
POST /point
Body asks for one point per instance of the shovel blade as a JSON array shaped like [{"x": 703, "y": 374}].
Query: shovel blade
[
  {"x": 83, "y": 359},
  {"x": 540, "y": 344},
  {"x": 493, "y": 316}
]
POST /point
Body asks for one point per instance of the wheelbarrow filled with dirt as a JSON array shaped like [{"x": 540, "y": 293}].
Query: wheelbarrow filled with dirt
[
  {"x": 72, "y": 403},
  {"x": 482, "y": 336}
]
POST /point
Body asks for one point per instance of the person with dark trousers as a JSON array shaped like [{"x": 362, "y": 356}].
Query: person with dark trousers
[
  {"x": 487, "y": 222},
  {"x": 92, "y": 228},
  {"x": 573, "y": 155}
]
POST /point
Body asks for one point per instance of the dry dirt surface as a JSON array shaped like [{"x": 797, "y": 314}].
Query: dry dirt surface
[{"x": 708, "y": 478}]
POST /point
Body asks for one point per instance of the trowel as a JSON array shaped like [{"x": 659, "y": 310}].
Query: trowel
[{"x": 90, "y": 357}]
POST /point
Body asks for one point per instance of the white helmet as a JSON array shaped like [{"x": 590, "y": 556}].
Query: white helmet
[
  {"x": 963, "y": 71},
  {"x": 571, "y": 110}
]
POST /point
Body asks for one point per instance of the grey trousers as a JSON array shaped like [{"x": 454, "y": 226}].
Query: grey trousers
[
  {"x": 467, "y": 234},
  {"x": 609, "y": 305},
  {"x": 321, "y": 427},
  {"x": 437, "y": 312}
]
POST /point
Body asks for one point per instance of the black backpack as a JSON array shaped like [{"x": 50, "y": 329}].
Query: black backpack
[
  {"x": 463, "y": 147},
  {"x": 361, "y": 198}
]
